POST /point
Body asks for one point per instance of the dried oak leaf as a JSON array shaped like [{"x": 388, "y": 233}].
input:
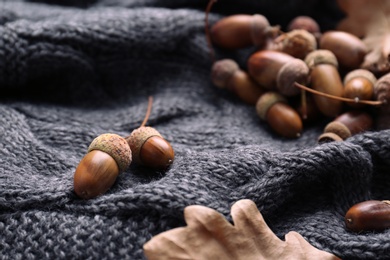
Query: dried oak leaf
[
  {"x": 369, "y": 19},
  {"x": 208, "y": 235}
]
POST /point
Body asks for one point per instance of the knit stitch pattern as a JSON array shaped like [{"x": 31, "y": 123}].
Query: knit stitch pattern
[{"x": 72, "y": 70}]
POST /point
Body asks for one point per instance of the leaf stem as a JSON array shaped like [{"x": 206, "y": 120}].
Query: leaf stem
[{"x": 357, "y": 100}]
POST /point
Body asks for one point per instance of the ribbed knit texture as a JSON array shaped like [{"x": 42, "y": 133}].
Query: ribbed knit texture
[{"x": 72, "y": 71}]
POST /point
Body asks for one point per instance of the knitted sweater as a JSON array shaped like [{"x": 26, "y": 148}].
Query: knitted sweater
[{"x": 72, "y": 70}]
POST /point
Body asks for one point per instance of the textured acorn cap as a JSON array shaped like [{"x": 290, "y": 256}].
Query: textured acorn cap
[
  {"x": 114, "y": 145},
  {"x": 260, "y": 26},
  {"x": 360, "y": 73},
  {"x": 137, "y": 139},
  {"x": 222, "y": 70},
  {"x": 339, "y": 129},
  {"x": 317, "y": 57},
  {"x": 298, "y": 43},
  {"x": 293, "y": 71},
  {"x": 266, "y": 101},
  {"x": 329, "y": 137}
]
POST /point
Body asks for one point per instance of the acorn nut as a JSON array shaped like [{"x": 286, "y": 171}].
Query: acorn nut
[
  {"x": 241, "y": 30},
  {"x": 293, "y": 71},
  {"x": 359, "y": 85},
  {"x": 227, "y": 74},
  {"x": 150, "y": 149},
  {"x": 283, "y": 119},
  {"x": 370, "y": 215},
  {"x": 108, "y": 155},
  {"x": 348, "y": 49},
  {"x": 305, "y": 23},
  {"x": 264, "y": 66},
  {"x": 346, "y": 125},
  {"x": 325, "y": 78},
  {"x": 297, "y": 43},
  {"x": 382, "y": 93}
]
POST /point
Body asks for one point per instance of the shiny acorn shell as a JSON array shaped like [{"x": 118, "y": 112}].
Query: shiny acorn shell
[
  {"x": 137, "y": 139},
  {"x": 370, "y": 215}
]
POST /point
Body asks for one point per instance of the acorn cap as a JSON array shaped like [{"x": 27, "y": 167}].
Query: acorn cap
[
  {"x": 360, "y": 73},
  {"x": 329, "y": 137},
  {"x": 339, "y": 129},
  {"x": 222, "y": 70},
  {"x": 260, "y": 26},
  {"x": 298, "y": 43},
  {"x": 266, "y": 101},
  {"x": 114, "y": 145},
  {"x": 138, "y": 137},
  {"x": 317, "y": 57},
  {"x": 293, "y": 71}
]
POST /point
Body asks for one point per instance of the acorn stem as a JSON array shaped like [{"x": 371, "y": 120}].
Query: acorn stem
[
  {"x": 148, "y": 111},
  {"x": 207, "y": 29},
  {"x": 366, "y": 102}
]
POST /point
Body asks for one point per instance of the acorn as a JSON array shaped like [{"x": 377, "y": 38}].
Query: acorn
[
  {"x": 226, "y": 74},
  {"x": 294, "y": 71},
  {"x": 242, "y": 30},
  {"x": 359, "y": 85},
  {"x": 305, "y": 23},
  {"x": 297, "y": 43},
  {"x": 370, "y": 215},
  {"x": 283, "y": 119},
  {"x": 264, "y": 66},
  {"x": 348, "y": 49},
  {"x": 325, "y": 78},
  {"x": 382, "y": 93},
  {"x": 150, "y": 149},
  {"x": 107, "y": 156},
  {"x": 346, "y": 125}
]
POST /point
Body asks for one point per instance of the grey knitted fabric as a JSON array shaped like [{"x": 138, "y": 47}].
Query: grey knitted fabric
[{"x": 71, "y": 70}]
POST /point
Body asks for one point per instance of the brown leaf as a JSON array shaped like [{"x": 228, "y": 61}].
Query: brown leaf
[
  {"x": 208, "y": 235},
  {"x": 369, "y": 19}
]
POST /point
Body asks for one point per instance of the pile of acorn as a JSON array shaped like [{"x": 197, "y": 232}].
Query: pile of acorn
[{"x": 301, "y": 75}]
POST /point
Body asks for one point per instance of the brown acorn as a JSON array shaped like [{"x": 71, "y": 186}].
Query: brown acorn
[
  {"x": 325, "y": 78},
  {"x": 297, "y": 43},
  {"x": 283, "y": 119},
  {"x": 294, "y": 71},
  {"x": 359, "y": 85},
  {"x": 382, "y": 93},
  {"x": 242, "y": 30},
  {"x": 148, "y": 147},
  {"x": 370, "y": 215},
  {"x": 346, "y": 125},
  {"x": 264, "y": 66},
  {"x": 306, "y": 23},
  {"x": 227, "y": 74},
  {"x": 348, "y": 49},
  {"x": 107, "y": 156}
]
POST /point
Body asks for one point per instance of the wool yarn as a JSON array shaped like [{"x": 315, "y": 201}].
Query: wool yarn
[{"x": 72, "y": 70}]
